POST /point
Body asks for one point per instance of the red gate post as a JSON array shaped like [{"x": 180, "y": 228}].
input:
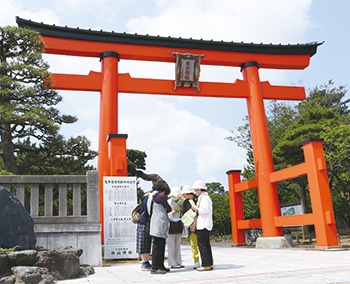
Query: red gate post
[
  {"x": 321, "y": 201},
  {"x": 236, "y": 207},
  {"x": 108, "y": 116},
  {"x": 117, "y": 154},
  {"x": 267, "y": 191}
]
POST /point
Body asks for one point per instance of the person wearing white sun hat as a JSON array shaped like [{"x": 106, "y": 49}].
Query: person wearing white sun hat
[
  {"x": 188, "y": 193},
  {"x": 174, "y": 238},
  {"x": 204, "y": 209}
]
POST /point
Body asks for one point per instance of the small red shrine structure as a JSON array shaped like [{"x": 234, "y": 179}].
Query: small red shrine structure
[{"x": 112, "y": 47}]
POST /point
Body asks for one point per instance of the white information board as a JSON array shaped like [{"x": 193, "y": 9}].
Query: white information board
[
  {"x": 119, "y": 199},
  {"x": 291, "y": 210}
]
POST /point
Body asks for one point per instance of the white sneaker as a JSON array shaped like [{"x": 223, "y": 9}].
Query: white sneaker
[{"x": 196, "y": 265}]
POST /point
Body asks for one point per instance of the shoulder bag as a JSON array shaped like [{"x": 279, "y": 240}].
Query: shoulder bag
[
  {"x": 175, "y": 227},
  {"x": 135, "y": 214},
  {"x": 193, "y": 227}
]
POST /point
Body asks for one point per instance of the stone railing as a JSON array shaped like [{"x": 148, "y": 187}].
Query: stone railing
[{"x": 54, "y": 225}]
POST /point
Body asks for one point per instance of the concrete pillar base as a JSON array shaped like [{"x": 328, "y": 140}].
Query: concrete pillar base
[
  {"x": 274, "y": 242},
  {"x": 335, "y": 248}
]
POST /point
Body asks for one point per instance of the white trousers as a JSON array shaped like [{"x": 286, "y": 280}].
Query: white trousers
[{"x": 174, "y": 250}]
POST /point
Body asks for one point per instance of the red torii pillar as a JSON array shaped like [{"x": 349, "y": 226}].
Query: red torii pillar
[
  {"x": 267, "y": 192},
  {"x": 112, "y": 146},
  {"x": 108, "y": 106}
]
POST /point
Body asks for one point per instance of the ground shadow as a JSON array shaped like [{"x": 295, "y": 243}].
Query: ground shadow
[{"x": 216, "y": 267}]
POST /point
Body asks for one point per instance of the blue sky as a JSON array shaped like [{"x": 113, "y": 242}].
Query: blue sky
[{"x": 184, "y": 138}]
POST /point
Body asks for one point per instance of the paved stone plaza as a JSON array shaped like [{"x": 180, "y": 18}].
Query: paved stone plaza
[{"x": 238, "y": 265}]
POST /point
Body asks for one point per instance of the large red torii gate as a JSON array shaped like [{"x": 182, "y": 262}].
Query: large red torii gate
[{"x": 111, "y": 47}]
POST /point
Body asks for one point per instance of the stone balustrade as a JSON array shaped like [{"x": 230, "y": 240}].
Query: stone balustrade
[{"x": 65, "y": 223}]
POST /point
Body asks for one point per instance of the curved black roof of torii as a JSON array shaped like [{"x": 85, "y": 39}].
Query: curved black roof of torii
[{"x": 136, "y": 39}]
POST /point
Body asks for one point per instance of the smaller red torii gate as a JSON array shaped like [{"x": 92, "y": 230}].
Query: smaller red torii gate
[{"x": 112, "y": 47}]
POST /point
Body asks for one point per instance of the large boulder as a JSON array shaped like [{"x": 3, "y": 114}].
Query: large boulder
[
  {"x": 63, "y": 263},
  {"x": 17, "y": 226},
  {"x": 23, "y": 258},
  {"x": 32, "y": 275}
]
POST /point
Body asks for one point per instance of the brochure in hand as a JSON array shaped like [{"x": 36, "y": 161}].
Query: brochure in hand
[
  {"x": 178, "y": 206},
  {"x": 188, "y": 217}
]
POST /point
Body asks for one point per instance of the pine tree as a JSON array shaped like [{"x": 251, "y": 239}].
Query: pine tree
[{"x": 29, "y": 121}]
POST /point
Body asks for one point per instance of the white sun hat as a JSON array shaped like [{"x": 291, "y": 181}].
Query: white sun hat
[
  {"x": 186, "y": 189},
  {"x": 175, "y": 192},
  {"x": 199, "y": 184}
]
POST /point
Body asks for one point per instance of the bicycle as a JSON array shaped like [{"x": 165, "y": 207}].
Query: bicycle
[{"x": 252, "y": 235}]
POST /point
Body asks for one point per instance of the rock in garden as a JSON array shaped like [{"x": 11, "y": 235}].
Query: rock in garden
[
  {"x": 23, "y": 258},
  {"x": 76, "y": 251},
  {"x": 32, "y": 275},
  {"x": 17, "y": 226},
  {"x": 85, "y": 270},
  {"x": 4, "y": 264},
  {"x": 62, "y": 263},
  {"x": 8, "y": 280}
]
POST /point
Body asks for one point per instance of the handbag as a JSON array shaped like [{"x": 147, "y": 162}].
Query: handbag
[
  {"x": 193, "y": 228},
  {"x": 175, "y": 227}
]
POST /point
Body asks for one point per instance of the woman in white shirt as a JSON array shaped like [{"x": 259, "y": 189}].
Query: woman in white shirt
[{"x": 204, "y": 209}]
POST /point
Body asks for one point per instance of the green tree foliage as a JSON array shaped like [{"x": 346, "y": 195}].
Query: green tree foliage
[
  {"x": 136, "y": 161},
  {"x": 221, "y": 209},
  {"x": 216, "y": 188},
  {"x": 324, "y": 114},
  {"x": 250, "y": 198},
  {"x": 29, "y": 122}
]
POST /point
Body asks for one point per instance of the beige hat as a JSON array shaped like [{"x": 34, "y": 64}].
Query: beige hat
[
  {"x": 186, "y": 189},
  {"x": 175, "y": 192},
  {"x": 199, "y": 184}
]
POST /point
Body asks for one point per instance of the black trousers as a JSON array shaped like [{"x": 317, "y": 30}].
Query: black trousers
[
  {"x": 205, "y": 247},
  {"x": 158, "y": 252}
]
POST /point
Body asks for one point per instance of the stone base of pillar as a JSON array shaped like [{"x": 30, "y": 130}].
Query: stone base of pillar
[
  {"x": 335, "y": 248},
  {"x": 274, "y": 242}
]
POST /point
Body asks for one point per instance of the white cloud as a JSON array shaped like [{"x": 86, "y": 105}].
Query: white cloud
[
  {"x": 9, "y": 9},
  {"x": 77, "y": 6},
  {"x": 174, "y": 139},
  {"x": 100, "y": 12},
  {"x": 12, "y": 8},
  {"x": 218, "y": 154},
  {"x": 260, "y": 21},
  {"x": 92, "y": 135},
  {"x": 46, "y": 16}
]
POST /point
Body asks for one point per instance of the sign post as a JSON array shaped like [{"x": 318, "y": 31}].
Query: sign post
[{"x": 120, "y": 197}]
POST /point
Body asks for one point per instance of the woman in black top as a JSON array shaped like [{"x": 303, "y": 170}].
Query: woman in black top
[{"x": 189, "y": 194}]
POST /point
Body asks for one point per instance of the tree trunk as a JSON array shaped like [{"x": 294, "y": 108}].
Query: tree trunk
[{"x": 7, "y": 147}]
